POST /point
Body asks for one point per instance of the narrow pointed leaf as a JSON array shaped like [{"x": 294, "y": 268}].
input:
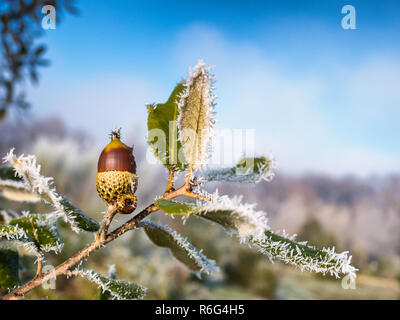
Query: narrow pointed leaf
[
  {"x": 180, "y": 248},
  {"x": 119, "y": 289},
  {"x": 13, "y": 187},
  {"x": 172, "y": 207},
  {"x": 27, "y": 169},
  {"x": 248, "y": 170},
  {"x": 196, "y": 115},
  {"x": 163, "y": 131},
  {"x": 9, "y": 261}
]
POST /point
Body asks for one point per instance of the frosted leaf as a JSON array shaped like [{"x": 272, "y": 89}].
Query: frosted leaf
[
  {"x": 39, "y": 229},
  {"x": 196, "y": 118},
  {"x": 248, "y": 170},
  {"x": 27, "y": 169},
  {"x": 236, "y": 217},
  {"x": 13, "y": 187},
  {"x": 304, "y": 257},
  {"x": 119, "y": 289},
  {"x": 175, "y": 208},
  {"x": 180, "y": 248},
  {"x": 9, "y": 261}
]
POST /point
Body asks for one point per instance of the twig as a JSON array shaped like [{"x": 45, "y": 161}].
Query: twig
[
  {"x": 170, "y": 179},
  {"x": 101, "y": 239}
]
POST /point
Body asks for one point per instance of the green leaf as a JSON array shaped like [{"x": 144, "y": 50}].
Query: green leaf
[
  {"x": 119, "y": 289},
  {"x": 163, "y": 131},
  {"x": 78, "y": 217},
  {"x": 304, "y": 256},
  {"x": 8, "y": 173},
  {"x": 105, "y": 294},
  {"x": 13, "y": 187},
  {"x": 8, "y": 232},
  {"x": 248, "y": 170},
  {"x": 172, "y": 207},
  {"x": 196, "y": 115},
  {"x": 9, "y": 261},
  {"x": 180, "y": 248},
  {"x": 41, "y": 229}
]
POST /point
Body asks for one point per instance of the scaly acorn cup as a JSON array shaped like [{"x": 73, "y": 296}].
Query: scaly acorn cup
[{"x": 116, "y": 179}]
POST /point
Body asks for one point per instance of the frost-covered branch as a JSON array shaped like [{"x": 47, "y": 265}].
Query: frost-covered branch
[{"x": 26, "y": 168}]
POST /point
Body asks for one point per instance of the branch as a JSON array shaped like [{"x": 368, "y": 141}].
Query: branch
[{"x": 101, "y": 239}]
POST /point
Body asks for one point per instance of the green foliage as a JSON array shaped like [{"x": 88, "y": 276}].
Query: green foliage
[
  {"x": 196, "y": 115},
  {"x": 247, "y": 170},
  {"x": 12, "y": 187},
  {"x": 172, "y": 207},
  {"x": 118, "y": 289},
  {"x": 40, "y": 230},
  {"x": 9, "y": 261},
  {"x": 106, "y": 294},
  {"x": 181, "y": 249},
  {"x": 81, "y": 219},
  {"x": 163, "y": 131},
  {"x": 8, "y": 173}
]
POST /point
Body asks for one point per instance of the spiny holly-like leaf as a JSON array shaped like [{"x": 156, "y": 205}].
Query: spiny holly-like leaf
[
  {"x": 27, "y": 169},
  {"x": 163, "y": 131},
  {"x": 9, "y": 261},
  {"x": 13, "y": 187},
  {"x": 119, "y": 289},
  {"x": 172, "y": 207},
  {"x": 196, "y": 115},
  {"x": 248, "y": 170},
  {"x": 180, "y": 248},
  {"x": 41, "y": 229}
]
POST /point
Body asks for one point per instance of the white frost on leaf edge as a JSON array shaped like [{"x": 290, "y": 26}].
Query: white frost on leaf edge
[
  {"x": 208, "y": 266},
  {"x": 208, "y": 98},
  {"x": 265, "y": 172},
  {"x": 254, "y": 234},
  {"x": 247, "y": 221},
  {"x": 103, "y": 283},
  {"x": 27, "y": 168},
  {"x": 328, "y": 261}
]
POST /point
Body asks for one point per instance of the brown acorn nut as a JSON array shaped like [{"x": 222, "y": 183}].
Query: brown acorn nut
[{"x": 116, "y": 179}]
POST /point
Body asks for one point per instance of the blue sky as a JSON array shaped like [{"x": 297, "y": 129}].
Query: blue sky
[{"x": 319, "y": 97}]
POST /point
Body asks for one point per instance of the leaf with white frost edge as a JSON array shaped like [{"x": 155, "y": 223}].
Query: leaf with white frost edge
[
  {"x": 118, "y": 289},
  {"x": 180, "y": 248},
  {"x": 236, "y": 217},
  {"x": 27, "y": 169},
  {"x": 248, "y": 170},
  {"x": 13, "y": 187},
  {"x": 163, "y": 132},
  {"x": 251, "y": 227},
  {"x": 196, "y": 114},
  {"x": 41, "y": 229},
  {"x": 9, "y": 261}
]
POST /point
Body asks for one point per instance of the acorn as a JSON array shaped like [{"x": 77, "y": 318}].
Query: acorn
[{"x": 116, "y": 179}]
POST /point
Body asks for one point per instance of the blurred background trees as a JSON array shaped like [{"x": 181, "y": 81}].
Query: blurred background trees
[
  {"x": 358, "y": 214},
  {"x": 20, "y": 53}
]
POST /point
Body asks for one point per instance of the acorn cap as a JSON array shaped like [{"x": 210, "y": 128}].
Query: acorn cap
[{"x": 116, "y": 156}]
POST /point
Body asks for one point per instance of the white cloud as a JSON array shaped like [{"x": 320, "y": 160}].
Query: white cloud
[{"x": 292, "y": 113}]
